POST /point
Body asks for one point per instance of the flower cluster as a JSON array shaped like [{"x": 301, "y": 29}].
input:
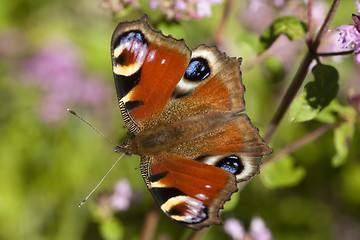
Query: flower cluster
[
  {"x": 118, "y": 200},
  {"x": 184, "y": 9},
  {"x": 257, "y": 230},
  {"x": 57, "y": 70},
  {"x": 350, "y": 34},
  {"x": 116, "y": 6}
]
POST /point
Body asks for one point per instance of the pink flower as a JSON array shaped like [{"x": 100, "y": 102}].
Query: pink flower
[
  {"x": 118, "y": 200},
  {"x": 116, "y": 6},
  {"x": 153, "y": 4},
  {"x": 234, "y": 228},
  {"x": 203, "y": 7},
  {"x": 257, "y": 231},
  {"x": 121, "y": 198},
  {"x": 350, "y": 34},
  {"x": 186, "y": 9},
  {"x": 57, "y": 70}
]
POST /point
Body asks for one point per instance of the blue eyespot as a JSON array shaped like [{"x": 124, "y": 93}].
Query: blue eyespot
[
  {"x": 197, "y": 70},
  {"x": 231, "y": 164}
]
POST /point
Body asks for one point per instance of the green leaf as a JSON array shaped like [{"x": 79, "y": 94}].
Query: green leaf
[
  {"x": 330, "y": 114},
  {"x": 282, "y": 173},
  {"x": 335, "y": 112},
  {"x": 287, "y": 25},
  {"x": 316, "y": 95},
  {"x": 342, "y": 138},
  {"x": 325, "y": 87},
  {"x": 346, "y": 115},
  {"x": 301, "y": 111}
]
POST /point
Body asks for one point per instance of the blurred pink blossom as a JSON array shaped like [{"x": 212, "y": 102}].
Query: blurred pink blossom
[
  {"x": 257, "y": 231},
  {"x": 56, "y": 68},
  {"x": 234, "y": 228},
  {"x": 185, "y": 9},
  {"x": 350, "y": 34},
  {"x": 116, "y": 6},
  {"x": 121, "y": 198}
]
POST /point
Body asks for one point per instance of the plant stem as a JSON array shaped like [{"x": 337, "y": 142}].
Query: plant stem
[
  {"x": 335, "y": 53},
  {"x": 289, "y": 95},
  {"x": 325, "y": 26},
  {"x": 223, "y": 20},
  {"x": 301, "y": 73},
  {"x": 299, "y": 143},
  {"x": 151, "y": 221},
  {"x": 309, "y": 17}
]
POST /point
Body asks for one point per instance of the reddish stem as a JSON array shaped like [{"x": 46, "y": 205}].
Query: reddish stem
[
  {"x": 225, "y": 16},
  {"x": 309, "y": 17},
  {"x": 299, "y": 143},
  {"x": 151, "y": 221}
]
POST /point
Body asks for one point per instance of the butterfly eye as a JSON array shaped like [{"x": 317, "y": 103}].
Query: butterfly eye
[
  {"x": 231, "y": 164},
  {"x": 197, "y": 70}
]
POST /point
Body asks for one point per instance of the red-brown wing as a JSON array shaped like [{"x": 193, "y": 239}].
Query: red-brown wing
[
  {"x": 211, "y": 84},
  {"x": 236, "y": 147},
  {"x": 188, "y": 191},
  {"x": 159, "y": 80},
  {"x": 146, "y": 66}
]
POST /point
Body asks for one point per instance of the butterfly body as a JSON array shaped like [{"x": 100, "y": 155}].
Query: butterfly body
[{"x": 184, "y": 110}]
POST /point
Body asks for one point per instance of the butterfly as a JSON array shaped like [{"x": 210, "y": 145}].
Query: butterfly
[{"x": 184, "y": 111}]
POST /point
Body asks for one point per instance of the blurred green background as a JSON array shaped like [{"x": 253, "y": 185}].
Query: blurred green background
[{"x": 55, "y": 55}]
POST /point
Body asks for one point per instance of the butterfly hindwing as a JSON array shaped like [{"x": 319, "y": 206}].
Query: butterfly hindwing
[
  {"x": 187, "y": 191},
  {"x": 235, "y": 147}
]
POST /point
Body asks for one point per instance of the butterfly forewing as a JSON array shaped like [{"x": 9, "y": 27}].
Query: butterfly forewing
[{"x": 145, "y": 71}]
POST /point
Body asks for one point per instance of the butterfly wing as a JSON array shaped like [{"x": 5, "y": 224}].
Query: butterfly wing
[
  {"x": 145, "y": 71},
  {"x": 187, "y": 191}
]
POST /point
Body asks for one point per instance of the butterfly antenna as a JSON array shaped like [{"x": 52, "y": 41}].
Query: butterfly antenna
[
  {"x": 75, "y": 114},
  {"x": 87, "y": 197}
]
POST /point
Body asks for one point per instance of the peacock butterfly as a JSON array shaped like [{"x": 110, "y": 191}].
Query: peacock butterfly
[{"x": 184, "y": 109}]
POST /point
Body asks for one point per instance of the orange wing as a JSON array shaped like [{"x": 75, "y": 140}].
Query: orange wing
[
  {"x": 146, "y": 66},
  {"x": 189, "y": 192}
]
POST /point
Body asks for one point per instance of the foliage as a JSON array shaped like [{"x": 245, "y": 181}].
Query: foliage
[{"x": 286, "y": 25}]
